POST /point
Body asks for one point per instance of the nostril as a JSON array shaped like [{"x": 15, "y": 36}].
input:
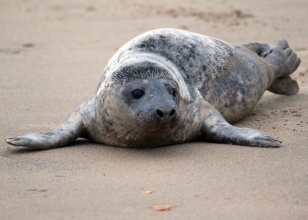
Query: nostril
[
  {"x": 159, "y": 113},
  {"x": 172, "y": 113}
]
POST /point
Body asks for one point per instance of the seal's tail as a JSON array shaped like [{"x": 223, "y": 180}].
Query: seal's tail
[{"x": 284, "y": 84}]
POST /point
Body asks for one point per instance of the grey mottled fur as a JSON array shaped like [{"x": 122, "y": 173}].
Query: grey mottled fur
[{"x": 215, "y": 83}]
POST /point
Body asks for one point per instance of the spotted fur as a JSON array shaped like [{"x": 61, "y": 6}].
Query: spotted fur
[{"x": 191, "y": 86}]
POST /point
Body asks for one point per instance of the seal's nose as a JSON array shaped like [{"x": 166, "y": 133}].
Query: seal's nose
[{"x": 166, "y": 113}]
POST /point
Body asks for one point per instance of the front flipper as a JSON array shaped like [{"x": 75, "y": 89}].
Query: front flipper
[
  {"x": 65, "y": 134},
  {"x": 217, "y": 129}
]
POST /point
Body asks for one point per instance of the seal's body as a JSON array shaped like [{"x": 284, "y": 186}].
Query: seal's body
[{"x": 171, "y": 86}]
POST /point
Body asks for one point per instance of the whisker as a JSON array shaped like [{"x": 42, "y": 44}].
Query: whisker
[
  {"x": 124, "y": 132},
  {"x": 131, "y": 132}
]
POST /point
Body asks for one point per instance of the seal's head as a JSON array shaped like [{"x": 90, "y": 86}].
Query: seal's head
[
  {"x": 141, "y": 104},
  {"x": 152, "y": 101}
]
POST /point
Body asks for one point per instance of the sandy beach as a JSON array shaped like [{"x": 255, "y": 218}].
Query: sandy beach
[{"x": 52, "y": 56}]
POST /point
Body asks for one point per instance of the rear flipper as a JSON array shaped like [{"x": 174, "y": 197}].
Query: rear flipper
[
  {"x": 284, "y": 60},
  {"x": 287, "y": 62},
  {"x": 65, "y": 134},
  {"x": 217, "y": 129},
  {"x": 261, "y": 49},
  {"x": 284, "y": 86}
]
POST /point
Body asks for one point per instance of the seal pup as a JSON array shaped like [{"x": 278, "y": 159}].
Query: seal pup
[{"x": 170, "y": 86}]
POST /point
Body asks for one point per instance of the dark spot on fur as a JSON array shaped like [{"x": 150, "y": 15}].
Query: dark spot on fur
[{"x": 49, "y": 133}]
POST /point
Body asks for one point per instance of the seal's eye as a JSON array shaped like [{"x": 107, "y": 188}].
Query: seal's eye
[
  {"x": 173, "y": 92},
  {"x": 137, "y": 93}
]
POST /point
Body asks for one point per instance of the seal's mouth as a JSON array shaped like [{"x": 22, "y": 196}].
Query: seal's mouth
[
  {"x": 159, "y": 124},
  {"x": 144, "y": 131}
]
